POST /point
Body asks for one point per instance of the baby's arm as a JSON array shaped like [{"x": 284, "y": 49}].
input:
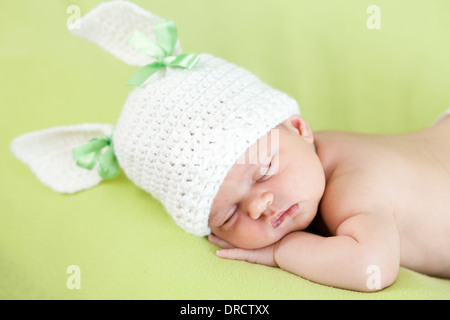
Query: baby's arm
[{"x": 364, "y": 244}]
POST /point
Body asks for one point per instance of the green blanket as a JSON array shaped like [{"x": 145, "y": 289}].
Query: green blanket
[{"x": 114, "y": 241}]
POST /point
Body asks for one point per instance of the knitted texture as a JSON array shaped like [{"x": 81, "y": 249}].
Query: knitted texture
[
  {"x": 178, "y": 136},
  {"x": 49, "y": 154},
  {"x": 110, "y": 25},
  {"x": 180, "y": 133}
]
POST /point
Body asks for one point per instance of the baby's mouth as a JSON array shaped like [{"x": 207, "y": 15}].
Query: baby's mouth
[{"x": 278, "y": 218}]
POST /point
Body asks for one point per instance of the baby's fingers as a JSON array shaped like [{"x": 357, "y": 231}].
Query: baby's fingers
[
  {"x": 262, "y": 256},
  {"x": 235, "y": 254}
]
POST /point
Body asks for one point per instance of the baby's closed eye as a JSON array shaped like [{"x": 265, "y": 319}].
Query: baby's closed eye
[
  {"x": 269, "y": 169},
  {"x": 230, "y": 214}
]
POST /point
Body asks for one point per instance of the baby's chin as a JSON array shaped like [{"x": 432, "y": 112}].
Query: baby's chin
[{"x": 258, "y": 242}]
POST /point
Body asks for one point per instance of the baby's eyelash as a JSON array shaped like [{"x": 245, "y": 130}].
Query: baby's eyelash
[
  {"x": 264, "y": 172},
  {"x": 265, "y": 169},
  {"x": 270, "y": 169},
  {"x": 231, "y": 213}
]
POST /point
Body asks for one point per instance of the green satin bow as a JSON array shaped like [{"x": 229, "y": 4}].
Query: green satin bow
[
  {"x": 166, "y": 36},
  {"x": 89, "y": 154}
]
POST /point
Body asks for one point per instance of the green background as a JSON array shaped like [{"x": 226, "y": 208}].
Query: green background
[{"x": 343, "y": 75}]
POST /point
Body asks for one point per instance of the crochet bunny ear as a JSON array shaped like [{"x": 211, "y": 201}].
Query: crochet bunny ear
[
  {"x": 49, "y": 154},
  {"x": 110, "y": 26}
]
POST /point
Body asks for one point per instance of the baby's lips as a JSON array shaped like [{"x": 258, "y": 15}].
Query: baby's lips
[
  {"x": 275, "y": 220},
  {"x": 279, "y": 217}
]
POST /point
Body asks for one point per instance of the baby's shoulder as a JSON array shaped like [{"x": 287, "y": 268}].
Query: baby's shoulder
[{"x": 351, "y": 193}]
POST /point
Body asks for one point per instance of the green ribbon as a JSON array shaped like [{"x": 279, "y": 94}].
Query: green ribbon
[
  {"x": 87, "y": 156},
  {"x": 166, "y": 36}
]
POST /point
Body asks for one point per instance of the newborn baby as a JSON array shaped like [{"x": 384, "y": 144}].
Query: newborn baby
[{"x": 375, "y": 201}]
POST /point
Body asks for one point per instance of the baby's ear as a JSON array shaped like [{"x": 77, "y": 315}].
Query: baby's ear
[
  {"x": 110, "y": 26},
  {"x": 300, "y": 126},
  {"x": 50, "y": 156}
]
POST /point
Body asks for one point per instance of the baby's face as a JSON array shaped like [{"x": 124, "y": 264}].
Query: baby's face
[{"x": 272, "y": 190}]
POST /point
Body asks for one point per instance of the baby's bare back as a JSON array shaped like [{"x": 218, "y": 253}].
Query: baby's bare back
[{"x": 415, "y": 170}]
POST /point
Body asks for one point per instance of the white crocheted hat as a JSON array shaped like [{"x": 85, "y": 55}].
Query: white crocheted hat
[{"x": 178, "y": 134}]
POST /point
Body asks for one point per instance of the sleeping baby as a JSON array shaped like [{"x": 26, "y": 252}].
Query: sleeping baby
[
  {"x": 376, "y": 202},
  {"x": 230, "y": 157}
]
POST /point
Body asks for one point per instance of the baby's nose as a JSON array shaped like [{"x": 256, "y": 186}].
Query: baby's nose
[{"x": 259, "y": 205}]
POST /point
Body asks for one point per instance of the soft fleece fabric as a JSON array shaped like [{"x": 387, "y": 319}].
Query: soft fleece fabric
[{"x": 343, "y": 75}]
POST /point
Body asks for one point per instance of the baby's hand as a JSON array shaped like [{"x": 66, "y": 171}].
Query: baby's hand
[{"x": 263, "y": 256}]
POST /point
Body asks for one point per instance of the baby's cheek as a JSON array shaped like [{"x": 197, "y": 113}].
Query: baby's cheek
[{"x": 251, "y": 235}]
